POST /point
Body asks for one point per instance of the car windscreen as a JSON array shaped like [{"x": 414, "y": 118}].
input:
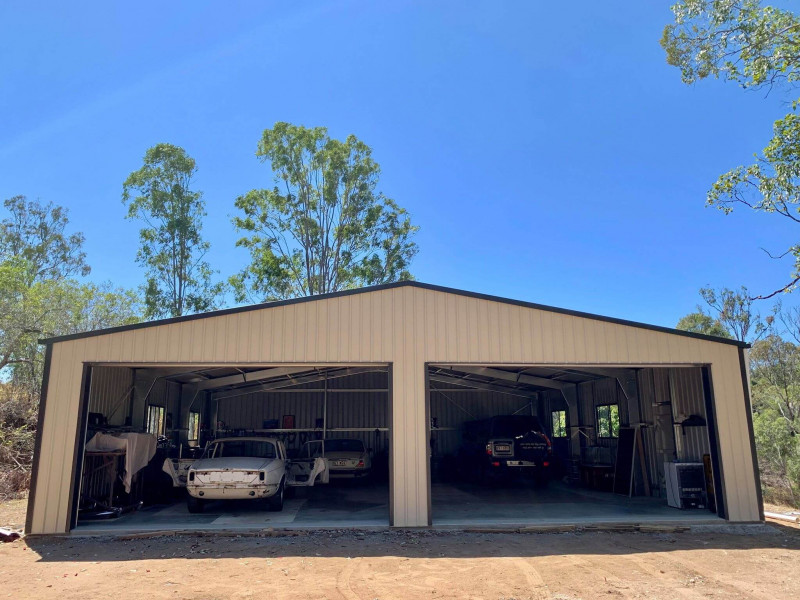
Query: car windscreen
[
  {"x": 344, "y": 446},
  {"x": 241, "y": 448},
  {"x": 514, "y": 426}
]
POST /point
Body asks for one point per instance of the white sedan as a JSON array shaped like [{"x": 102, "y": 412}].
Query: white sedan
[
  {"x": 238, "y": 468},
  {"x": 346, "y": 458}
]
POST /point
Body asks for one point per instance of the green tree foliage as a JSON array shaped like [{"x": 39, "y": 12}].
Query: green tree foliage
[
  {"x": 324, "y": 226},
  {"x": 64, "y": 307},
  {"x": 33, "y": 234},
  {"x": 754, "y": 46},
  {"x": 770, "y": 185},
  {"x": 735, "y": 312},
  {"x": 22, "y": 311},
  {"x": 775, "y": 376},
  {"x": 39, "y": 297},
  {"x": 172, "y": 248},
  {"x": 36, "y": 257},
  {"x": 734, "y": 316},
  {"x": 700, "y": 322},
  {"x": 739, "y": 40}
]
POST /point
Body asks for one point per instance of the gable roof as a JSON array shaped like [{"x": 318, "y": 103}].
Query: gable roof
[{"x": 389, "y": 286}]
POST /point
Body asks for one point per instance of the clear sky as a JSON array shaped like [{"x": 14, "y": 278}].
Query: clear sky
[{"x": 547, "y": 152}]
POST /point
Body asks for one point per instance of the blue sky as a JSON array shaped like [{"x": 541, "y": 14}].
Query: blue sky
[{"x": 547, "y": 155}]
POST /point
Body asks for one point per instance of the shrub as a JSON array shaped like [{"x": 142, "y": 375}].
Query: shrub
[{"x": 17, "y": 437}]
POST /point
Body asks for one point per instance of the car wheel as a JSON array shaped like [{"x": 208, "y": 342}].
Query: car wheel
[
  {"x": 195, "y": 505},
  {"x": 275, "y": 502}
]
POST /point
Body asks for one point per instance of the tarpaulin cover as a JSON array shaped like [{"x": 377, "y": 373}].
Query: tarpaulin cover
[{"x": 139, "y": 450}]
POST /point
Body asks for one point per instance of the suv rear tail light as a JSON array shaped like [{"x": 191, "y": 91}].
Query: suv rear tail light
[
  {"x": 191, "y": 475},
  {"x": 489, "y": 449},
  {"x": 261, "y": 475}
]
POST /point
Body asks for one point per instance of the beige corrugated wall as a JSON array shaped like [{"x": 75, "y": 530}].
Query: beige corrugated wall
[{"x": 406, "y": 326}]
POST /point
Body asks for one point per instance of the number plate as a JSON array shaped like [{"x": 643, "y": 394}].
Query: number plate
[
  {"x": 340, "y": 463},
  {"x": 502, "y": 447}
]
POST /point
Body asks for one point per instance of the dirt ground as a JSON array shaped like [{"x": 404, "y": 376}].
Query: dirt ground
[
  {"x": 778, "y": 508},
  {"x": 406, "y": 564},
  {"x": 12, "y": 513}
]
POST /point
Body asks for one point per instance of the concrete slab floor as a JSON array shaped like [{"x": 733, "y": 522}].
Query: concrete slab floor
[
  {"x": 466, "y": 504},
  {"x": 366, "y": 505},
  {"x": 342, "y": 504}
]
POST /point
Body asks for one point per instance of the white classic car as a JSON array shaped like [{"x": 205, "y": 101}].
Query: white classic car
[
  {"x": 238, "y": 468},
  {"x": 345, "y": 458}
]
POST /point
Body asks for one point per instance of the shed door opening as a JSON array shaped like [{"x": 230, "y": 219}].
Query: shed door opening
[
  {"x": 570, "y": 445},
  {"x": 227, "y": 447}
]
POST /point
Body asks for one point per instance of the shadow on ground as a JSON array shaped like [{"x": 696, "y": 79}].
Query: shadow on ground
[{"x": 401, "y": 543}]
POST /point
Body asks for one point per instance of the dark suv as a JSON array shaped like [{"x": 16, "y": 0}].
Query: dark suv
[{"x": 505, "y": 445}]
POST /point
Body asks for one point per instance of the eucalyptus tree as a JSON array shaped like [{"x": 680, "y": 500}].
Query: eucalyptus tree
[
  {"x": 700, "y": 322},
  {"x": 757, "y": 47},
  {"x": 34, "y": 234},
  {"x": 41, "y": 294},
  {"x": 324, "y": 225},
  {"x": 172, "y": 249},
  {"x": 775, "y": 376},
  {"x": 37, "y": 255}
]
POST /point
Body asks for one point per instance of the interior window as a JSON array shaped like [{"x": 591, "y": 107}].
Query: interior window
[
  {"x": 155, "y": 420},
  {"x": 194, "y": 426},
  {"x": 559, "y": 423},
  {"x": 608, "y": 421}
]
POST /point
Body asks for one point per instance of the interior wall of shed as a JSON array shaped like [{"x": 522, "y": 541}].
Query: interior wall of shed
[
  {"x": 356, "y": 408},
  {"x": 451, "y": 408},
  {"x": 111, "y": 393},
  {"x": 122, "y": 396},
  {"x": 658, "y": 400}
]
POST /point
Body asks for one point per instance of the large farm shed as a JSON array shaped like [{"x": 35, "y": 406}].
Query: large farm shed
[{"x": 468, "y": 408}]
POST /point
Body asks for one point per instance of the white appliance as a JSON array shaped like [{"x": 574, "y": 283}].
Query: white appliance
[{"x": 686, "y": 485}]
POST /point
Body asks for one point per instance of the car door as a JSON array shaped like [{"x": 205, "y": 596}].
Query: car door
[{"x": 281, "y": 457}]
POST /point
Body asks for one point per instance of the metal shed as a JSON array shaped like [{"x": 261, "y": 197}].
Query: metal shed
[{"x": 422, "y": 337}]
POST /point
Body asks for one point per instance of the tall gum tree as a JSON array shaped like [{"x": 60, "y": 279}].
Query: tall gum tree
[
  {"x": 324, "y": 226},
  {"x": 172, "y": 250}
]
